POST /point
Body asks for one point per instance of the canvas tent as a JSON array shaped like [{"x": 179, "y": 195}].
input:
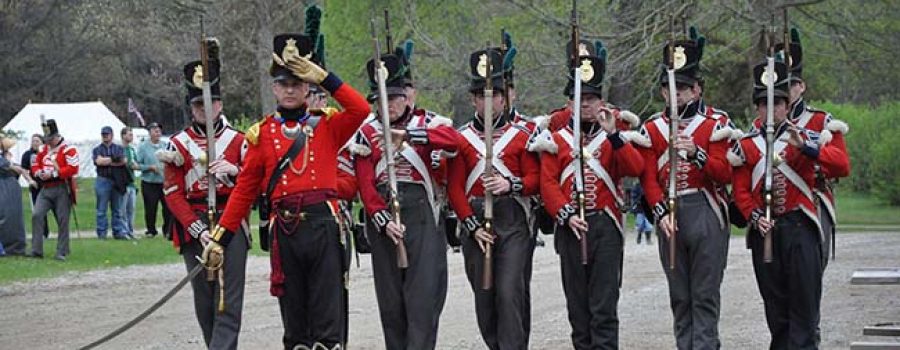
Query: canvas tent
[{"x": 79, "y": 123}]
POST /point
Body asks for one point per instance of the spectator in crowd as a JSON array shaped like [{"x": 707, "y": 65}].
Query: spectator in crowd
[
  {"x": 642, "y": 225},
  {"x": 128, "y": 199},
  {"x": 12, "y": 223},
  {"x": 152, "y": 180},
  {"x": 109, "y": 158},
  {"x": 28, "y": 158}
]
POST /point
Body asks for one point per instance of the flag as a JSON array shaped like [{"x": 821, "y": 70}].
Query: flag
[{"x": 133, "y": 110}]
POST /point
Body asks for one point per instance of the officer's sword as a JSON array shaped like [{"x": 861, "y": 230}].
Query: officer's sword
[
  {"x": 143, "y": 315},
  {"x": 210, "y": 156}
]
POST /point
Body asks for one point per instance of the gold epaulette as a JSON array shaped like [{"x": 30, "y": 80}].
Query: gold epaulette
[
  {"x": 326, "y": 112},
  {"x": 252, "y": 134}
]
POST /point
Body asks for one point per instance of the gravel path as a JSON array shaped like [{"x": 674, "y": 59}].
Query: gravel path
[{"x": 75, "y": 309}]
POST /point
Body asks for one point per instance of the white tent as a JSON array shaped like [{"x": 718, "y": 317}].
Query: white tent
[{"x": 79, "y": 124}]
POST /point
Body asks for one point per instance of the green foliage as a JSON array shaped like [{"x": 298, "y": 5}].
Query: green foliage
[{"x": 873, "y": 154}]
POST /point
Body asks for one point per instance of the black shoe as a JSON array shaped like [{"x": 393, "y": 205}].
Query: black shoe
[
  {"x": 60, "y": 257},
  {"x": 35, "y": 255},
  {"x": 121, "y": 237},
  {"x": 150, "y": 234}
]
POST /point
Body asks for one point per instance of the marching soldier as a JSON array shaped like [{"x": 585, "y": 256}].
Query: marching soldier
[
  {"x": 292, "y": 156},
  {"x": 701, "y": 246},
  {"x": 56, "y": 166},
  {"x": 791, "y": 283},
  {"x": 591, "y": 283},
  {"x": 186, "y": 187},
  {"x": 410, "y": 300},
  {"x": 502, "y": 311},
  {"x": 831, "y": 130}
]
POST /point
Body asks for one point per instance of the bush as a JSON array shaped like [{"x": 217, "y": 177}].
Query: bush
[{"x": 874, "y": 166}]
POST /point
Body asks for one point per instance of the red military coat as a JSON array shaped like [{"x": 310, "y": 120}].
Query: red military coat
[
  {"x": 512, "y": 159},
  {"x": 186, "y": 182},
  {"x": 793, "y": 177},
  {"x": 611, "y": 158},
  {"x": 314, "y": 169},
  {"x": 425, "y": 135},
  {"x": 705, "y": 173}
]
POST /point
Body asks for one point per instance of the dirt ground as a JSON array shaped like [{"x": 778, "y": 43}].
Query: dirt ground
[{"x": 75, "y": 309}]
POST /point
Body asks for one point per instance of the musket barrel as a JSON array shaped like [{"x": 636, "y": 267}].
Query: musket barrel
[
  {"x": 770, "y": 152},
  {"x": 402, "y": 259}
]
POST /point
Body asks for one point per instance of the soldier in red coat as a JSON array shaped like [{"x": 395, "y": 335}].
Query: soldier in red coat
[
  {"x": 503, "y": 311},
  {"x": 186, "y": 187},
  {"x": 592, "y": 289},
  {"x": 410, "y": 300},
  {"x": 791, "y": 285},
  {"x": 307, "y": 249},
  {"x": 830, "y": 129},
  {"x": 701, "y": 225},
  {"x": 56, "y": 166}
]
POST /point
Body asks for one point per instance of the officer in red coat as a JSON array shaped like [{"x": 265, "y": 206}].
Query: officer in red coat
[
  {"x": 791, "y": 285},
  {"x": 56, "y": 166},
  {"x": 186, "y": 187},
  {"x": 701, "y": 224},
  {"x": 503, "y": 311},
  {"x": 592, "y": 290},
  {"x": 307, "y": 249},
  {"x": 410, "y": 300}
]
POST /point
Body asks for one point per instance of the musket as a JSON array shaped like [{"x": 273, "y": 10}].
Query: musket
[
  {"x": 487, "y": 272},
  {"x": 210, "y": 155},
  {"x": 578, "y": 154},
  {"x": 770, "y": 149},
  {"x": 674, "y": 120},
  {"x": 505, "y": 46},
  {"x": 388, "y": 39},
  {"x": 389, "y": 152}
]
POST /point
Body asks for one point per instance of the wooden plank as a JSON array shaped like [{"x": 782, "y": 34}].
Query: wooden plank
[
  {"x": 867, "y": 345},
  {"x": 884, "y": 330},
  {"x": 873, "y": 276}
]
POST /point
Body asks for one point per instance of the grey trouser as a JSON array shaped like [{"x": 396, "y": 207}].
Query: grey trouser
[
  {"x": 57, "y": 199},
  {"x": 410, "y": 301},
  {"x": 503, "y": 311},
  {"x": 220, "y": 331},
  {"x": 592, "y": 290},
  {"x": 791, "y": 285},
  {"x": 701, "y": 254}
]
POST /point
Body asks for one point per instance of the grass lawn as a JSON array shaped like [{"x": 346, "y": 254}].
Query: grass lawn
[{"x": 90, "y": 253}]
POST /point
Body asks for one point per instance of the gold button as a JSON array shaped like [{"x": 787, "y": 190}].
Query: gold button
[
  {"x": 283, "y": 193},
  {"x": 277, "y": 146},
  {"x": 277, "y": 140},
  {"x": 284, "y": 176},
  {"x": 311, "y": 158},
  {"x": 284, "y": 182}
]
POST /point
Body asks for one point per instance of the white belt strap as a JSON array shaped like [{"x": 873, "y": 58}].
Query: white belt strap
[
  {"x": 592, "y": 163},
  {"x": 498, "y": 164}
]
